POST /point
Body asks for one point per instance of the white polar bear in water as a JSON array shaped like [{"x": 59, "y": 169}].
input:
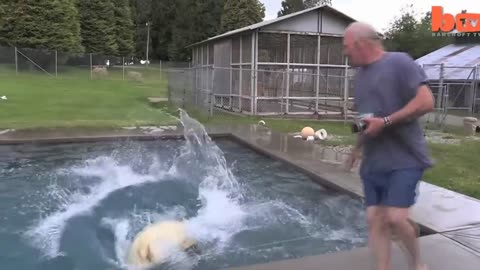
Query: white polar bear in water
[{"x": 156, "y": 242}]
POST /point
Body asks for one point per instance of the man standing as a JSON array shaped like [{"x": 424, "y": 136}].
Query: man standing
[{"x": 392, "y": 89}]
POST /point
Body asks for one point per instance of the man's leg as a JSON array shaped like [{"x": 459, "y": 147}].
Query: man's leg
[
  {"x": 379, "y": 237},
  {"x": 400, "y": 197},
  {"x": 398, "y": 218},
  {"x": 379, "y": 231}
]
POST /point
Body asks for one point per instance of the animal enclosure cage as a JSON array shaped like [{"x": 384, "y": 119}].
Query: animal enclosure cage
[
  {"x": 290, "y": 74},
  {"x": 454, "y": 76},
  {"x": 292, "y": 65},
  {"x": 456, "y": 88}
]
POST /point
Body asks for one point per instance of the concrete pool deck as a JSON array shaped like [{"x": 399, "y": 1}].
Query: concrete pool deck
[{"x": 450, "y": 220}]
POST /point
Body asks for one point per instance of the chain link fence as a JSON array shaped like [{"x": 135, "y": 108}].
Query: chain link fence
[
  {"x": 269, "y": 91},
  {"x": 182, "y": 93},
  {"x": 456, "y": 91},
  {"x": 27, "y": 61},
  {"x": 325, "y": 92}
]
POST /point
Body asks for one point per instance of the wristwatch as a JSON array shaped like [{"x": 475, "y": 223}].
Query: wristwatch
[{"x": 386, "y": 121}]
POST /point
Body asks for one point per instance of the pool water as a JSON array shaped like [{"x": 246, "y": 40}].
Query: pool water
[{"x": 78, "y": 206}]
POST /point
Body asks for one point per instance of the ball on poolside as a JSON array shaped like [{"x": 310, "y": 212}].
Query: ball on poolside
[
  {"x": 306, "y": 132},
  {"x": 156, "y": 242}
]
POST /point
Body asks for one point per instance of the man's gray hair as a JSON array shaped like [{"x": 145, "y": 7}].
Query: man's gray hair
[{"x": 362, "y": 30}]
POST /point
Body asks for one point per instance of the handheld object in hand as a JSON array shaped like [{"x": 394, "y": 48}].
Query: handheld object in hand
[{"x": 359, "y": 125}]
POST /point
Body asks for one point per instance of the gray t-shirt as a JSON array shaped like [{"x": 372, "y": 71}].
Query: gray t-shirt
[{"x": 383, "y": 88}]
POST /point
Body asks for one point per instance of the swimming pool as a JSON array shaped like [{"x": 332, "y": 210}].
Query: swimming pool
[{"x": 77, "y": 206}]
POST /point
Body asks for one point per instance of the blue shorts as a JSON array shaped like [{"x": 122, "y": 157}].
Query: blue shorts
[{"x": 396, "y": 188}]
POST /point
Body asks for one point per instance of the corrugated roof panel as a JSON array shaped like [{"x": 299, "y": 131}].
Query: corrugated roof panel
[
  {"x": 437, "y": 56},
  {"x": 467, "y": 57},
  {"x": 461, "y": 57},
  {"x": 272, "y": 21},
  {"x": 258, "y": 25}
]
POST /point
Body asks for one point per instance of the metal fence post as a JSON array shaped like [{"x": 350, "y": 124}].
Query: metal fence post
[
  {"x": 91, "y": 67},
  {"x": 473, "y": 90},
  {"x": 439, "y": 96},
  {"x": 212, "y": 100},
  {"x": 169, "y": 93},
  {"x": 123, "y": 68},
  {"x": 287, "y": 87},
  {"x": 184, "y": 93},
  {"x": 16, "y": 61},
  {"x": 56, "y": 64},
  {"x": 317, "y": 83},
  {"x": 345, "y": 92}
]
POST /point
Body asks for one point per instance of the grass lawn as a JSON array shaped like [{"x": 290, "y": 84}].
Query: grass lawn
[
  {"x": 457, "y": 167},
  {"x": 72, "y": 99}
]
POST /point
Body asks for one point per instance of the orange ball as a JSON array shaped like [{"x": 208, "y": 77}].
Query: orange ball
[{"x": 307, "y": 131}]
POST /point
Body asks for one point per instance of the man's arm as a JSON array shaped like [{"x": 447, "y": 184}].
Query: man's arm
[
  {"x": 415, "y": 91},
  {"x": 421, "y": 104}
]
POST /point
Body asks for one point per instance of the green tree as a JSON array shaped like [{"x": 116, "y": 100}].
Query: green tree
[
  {"x": 133, "y": 13},
  {"x": 407, "y": 34},
  {"x": 241, "y": 13},
  {"x": 290, "y": 6},
  {"x": 184, "y": 30},
  {"x": 210, "y": 23},
  {"x": 174, "y": 25},
  {"x": 426, "y": 42},
  {"x": 143, "y": 15},
  {"x": 313, "y": 3},
  {"x": 6, "y": 9},
  {"x": 177, "y": 24},
  {"x": 163, "y": 19},
  {"x": 124, "y": 27},
  {"x": 98, "y": 26},
  {"x": 43, "y": 24}
]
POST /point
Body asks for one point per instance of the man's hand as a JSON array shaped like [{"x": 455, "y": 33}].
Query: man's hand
[
  {"x": 375, "y": 125},
  {"x": 353, "y": 158}
]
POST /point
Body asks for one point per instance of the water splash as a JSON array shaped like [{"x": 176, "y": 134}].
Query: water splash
[
  {"x": 202, "y": 154},
  {"x": 47, "y": 232},
  {"x": 225, "y": 207},
  {"x": 222, "y": 214},
  {"x": 199, "y": 159}
]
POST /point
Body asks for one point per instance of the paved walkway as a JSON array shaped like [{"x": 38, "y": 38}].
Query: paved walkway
[{"x": 439, "y": 253}]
